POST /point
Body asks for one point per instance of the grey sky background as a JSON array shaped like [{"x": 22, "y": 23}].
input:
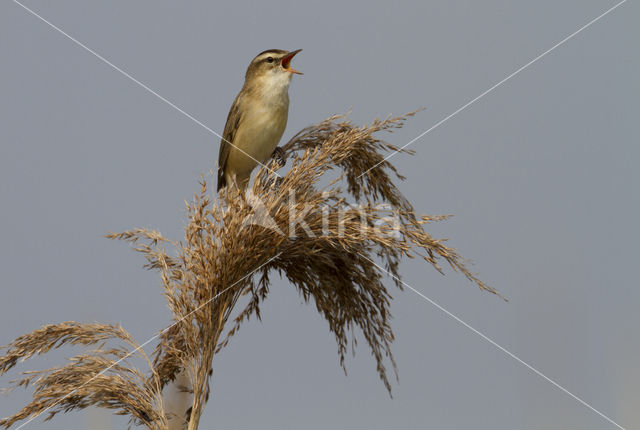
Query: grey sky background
[{"x": 540, "y": 174}]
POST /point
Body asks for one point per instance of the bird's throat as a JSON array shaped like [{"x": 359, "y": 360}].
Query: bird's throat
[{"x": 274, "y": 87}]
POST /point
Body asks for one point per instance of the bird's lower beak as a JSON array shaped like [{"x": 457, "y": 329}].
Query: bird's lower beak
[{"x": 286, "y": 62}]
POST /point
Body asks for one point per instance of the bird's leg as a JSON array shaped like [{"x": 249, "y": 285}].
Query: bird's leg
[
  {"x": 280, "y": 156},
  {"x": 276, "y": 182}
]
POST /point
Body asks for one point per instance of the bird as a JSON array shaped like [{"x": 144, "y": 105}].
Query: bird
[{"x": 257, "y": 118}]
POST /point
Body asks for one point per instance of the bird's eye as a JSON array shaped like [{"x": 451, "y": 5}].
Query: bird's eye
[{"x": 269, "y": 59}]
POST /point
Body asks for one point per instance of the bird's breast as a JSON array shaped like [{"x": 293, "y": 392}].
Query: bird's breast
[{"x": 262, "y": 126}]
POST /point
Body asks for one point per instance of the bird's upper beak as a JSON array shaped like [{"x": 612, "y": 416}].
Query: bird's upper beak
[{"x": 286, "y": 62}]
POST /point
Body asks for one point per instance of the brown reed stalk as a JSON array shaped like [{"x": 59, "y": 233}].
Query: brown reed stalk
[{"x": 312, "y": 235}]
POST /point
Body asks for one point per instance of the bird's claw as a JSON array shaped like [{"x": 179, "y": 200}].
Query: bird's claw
[
  {"x": 276, "y": 182},
  {"x": 280, "y": 156}
]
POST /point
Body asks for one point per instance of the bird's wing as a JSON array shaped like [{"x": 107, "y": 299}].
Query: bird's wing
[{"x": 230, "y": 129}]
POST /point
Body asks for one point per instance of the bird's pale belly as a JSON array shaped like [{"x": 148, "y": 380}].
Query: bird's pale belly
[{"x": 254, "y": 144}]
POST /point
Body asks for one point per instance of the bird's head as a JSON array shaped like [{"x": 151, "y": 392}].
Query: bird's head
[{"x": 272, "y": 65}]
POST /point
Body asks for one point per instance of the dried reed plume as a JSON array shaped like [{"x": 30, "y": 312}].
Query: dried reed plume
[{"x": 310, "y": 235}]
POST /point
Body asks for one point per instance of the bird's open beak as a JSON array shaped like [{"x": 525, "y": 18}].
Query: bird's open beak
[{"x": 286, "y": 62}]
